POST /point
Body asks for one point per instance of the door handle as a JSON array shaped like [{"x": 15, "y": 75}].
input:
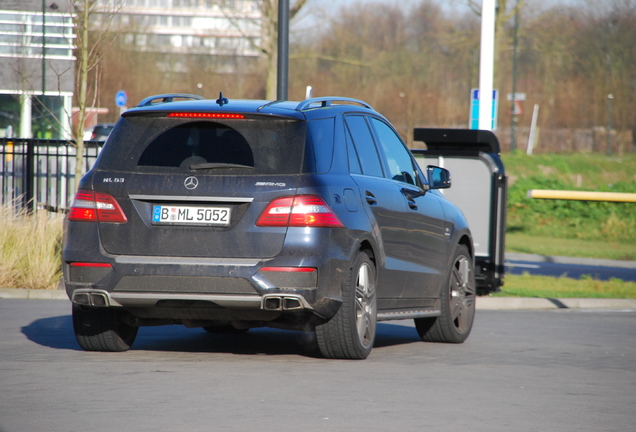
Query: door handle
[
  {"x": 371, "y": 200},
  {"x": 411, "y": 202}
]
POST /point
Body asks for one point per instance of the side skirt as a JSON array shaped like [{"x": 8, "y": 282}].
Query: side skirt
[{"x": 407, "y": 314}]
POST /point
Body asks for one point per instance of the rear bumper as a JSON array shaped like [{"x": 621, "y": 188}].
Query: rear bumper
[{"x": 236, "y": 286}]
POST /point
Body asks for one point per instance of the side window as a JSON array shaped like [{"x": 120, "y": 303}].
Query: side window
[
  {"x": 399, "y": 161},
  {"x": 321, "y": 136},
  {"x": 354, "y": 161},
  {"x": 364, "y": 146}
]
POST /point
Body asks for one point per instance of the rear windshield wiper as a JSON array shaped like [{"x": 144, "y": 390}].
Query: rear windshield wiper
[{"x": 218, "y": 165}]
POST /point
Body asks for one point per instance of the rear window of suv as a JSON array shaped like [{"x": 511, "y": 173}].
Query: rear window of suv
[{"x": 246, "y": 146}]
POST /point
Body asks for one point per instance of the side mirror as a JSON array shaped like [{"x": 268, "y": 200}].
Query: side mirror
[{"x": 438, "y": 178}]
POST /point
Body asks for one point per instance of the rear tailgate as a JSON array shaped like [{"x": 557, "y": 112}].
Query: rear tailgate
[
  {"x": 195, "y": 188},
  {"x": 216, "y": 220}
]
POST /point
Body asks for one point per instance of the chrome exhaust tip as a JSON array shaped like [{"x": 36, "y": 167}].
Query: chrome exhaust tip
[
  {"x": 282, "y": 302},
  {"x": 91, "y": 298}
]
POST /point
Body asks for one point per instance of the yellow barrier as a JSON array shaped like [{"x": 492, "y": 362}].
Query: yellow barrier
[{"x": 582, "y": 195}]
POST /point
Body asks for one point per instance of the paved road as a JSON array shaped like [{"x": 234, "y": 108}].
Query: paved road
[
  {"x": 556, "y": 370},
  {"x": 570, "y": 267}
]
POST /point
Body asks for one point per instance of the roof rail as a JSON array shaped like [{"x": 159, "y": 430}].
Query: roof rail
[
  {"x": 326, "y": 101},
  {"x": 169, "y": 97}
]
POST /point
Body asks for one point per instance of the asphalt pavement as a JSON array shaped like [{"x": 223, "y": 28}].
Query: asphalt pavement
[
  {"x": 521, "y": 370},
  {"x": 575, "y": 268}
]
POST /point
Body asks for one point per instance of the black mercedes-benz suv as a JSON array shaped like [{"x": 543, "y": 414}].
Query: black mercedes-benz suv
[{"x": 234, "y": 214}]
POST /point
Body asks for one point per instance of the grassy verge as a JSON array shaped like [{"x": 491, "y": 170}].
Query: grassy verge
[
  {"x": 570, "y": 228},
  {"x": 30, "y": 249},
  {"x": 550, "y": 287},
  {"x": 567, "y": 220},
  {"x": 553, "y": 246}
]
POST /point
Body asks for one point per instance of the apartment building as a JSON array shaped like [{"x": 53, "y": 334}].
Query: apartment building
[
  {"x": 37, "y": 40},
  {"x": 226, "y": 31},
  {"x": 37, "y": 73}
]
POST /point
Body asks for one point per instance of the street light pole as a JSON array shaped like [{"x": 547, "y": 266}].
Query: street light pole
[
  {"x": 283, "y": 50},
  {"x": 43, "y": 48},
  {"x": 486, "y": 64},
  {"x": 514, "y": 119},
  {"x": 610, "y": 97}
]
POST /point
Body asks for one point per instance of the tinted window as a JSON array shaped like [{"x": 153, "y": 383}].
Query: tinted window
[
  {"x": 364, "y": 145},
  {"x": 398, "y": 158},
  {"x": 321, "y": 137},
  {"x": 158, "y": 144},
  {"x": 354, "y": 161},
  {"x": 195, "y": 143}
]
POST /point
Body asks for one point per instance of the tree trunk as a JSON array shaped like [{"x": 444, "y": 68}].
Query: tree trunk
[{"x": 82, "y": 85}]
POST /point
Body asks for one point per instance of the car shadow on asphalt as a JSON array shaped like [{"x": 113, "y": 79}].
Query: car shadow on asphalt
[{"x": 57, "y": 333}]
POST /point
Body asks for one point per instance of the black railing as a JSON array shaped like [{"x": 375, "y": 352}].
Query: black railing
[{"x": 37, "y": 173}]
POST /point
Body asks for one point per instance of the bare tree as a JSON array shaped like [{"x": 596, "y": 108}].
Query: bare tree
[
  {"x": 269, "y": 38},
  {"x": 92, "y": 20}
]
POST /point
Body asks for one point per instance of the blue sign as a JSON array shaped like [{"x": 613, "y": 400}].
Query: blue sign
[
  {"x": 121, "y": 98},
  {"x": 474, "y": 109}
]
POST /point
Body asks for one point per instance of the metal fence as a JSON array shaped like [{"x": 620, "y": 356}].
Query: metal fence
[{"x": 37, "y": 174}]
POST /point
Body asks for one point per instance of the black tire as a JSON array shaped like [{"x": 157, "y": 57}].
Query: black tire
[
  {"x": 102, "y": 329},
  {"x": 350, "y": 334},
  {"x": 457, "y": 301}
]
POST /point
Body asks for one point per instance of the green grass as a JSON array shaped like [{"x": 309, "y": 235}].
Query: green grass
[
  {"x": 610, "y": 222},
  {"x": 550, "y": 287},
  {"x": 554, "y": 246},
  {"x": 570, "y": 228}
]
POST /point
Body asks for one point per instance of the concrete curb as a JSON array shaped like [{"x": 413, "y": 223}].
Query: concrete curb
[
  {"x": 483, "y": 303},
  {"x": 526, "y": 303},
  {"x": 14, "y": 293}
]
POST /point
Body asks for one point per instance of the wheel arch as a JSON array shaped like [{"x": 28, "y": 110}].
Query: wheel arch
[
  {"x": 467, "y": 241},
  {"x": 367, "y": 247}
]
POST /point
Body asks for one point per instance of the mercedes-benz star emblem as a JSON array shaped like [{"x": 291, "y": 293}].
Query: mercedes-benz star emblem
[{"x": 191, "y": 183}]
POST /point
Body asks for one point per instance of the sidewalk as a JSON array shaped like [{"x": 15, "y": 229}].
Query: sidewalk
[{"x": 483, "y": 303}]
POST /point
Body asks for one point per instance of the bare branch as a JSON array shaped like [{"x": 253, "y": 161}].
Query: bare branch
[{"x": 331, "y": 59}]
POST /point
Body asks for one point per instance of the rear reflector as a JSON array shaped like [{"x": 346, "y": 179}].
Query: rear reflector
[
  {"x": 207, "y": 115},
  {"x": 289, "y": 269},
  {"x": 89, "y": 264},
  {"x": 299, "y": 211},
  {"x": 90, "y": 206}
]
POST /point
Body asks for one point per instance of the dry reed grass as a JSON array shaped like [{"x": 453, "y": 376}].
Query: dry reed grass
[{"x": 30, "y": 246}]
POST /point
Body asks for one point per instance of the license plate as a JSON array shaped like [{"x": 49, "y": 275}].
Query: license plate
[{"x": 191, "y": 215}]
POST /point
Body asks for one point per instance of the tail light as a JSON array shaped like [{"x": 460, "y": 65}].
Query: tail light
[
  {"x": 299, "y": 211},
  {"x": 90, "y": 206}
]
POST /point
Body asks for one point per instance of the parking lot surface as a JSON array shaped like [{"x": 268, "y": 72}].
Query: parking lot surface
[{"x": 529, "y": 370}]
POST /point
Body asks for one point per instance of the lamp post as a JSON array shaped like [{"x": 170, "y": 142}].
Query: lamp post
[
  {"x": 514, "y": 119},
  {"x": 610, "y": 97},
  {"x": 43, "y": 48},
  {"x": 283, "y": 50},
  {"x": 486, "y": 66}
]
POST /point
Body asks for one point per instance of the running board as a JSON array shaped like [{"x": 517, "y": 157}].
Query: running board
[{"x": 407, "y": 314}]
